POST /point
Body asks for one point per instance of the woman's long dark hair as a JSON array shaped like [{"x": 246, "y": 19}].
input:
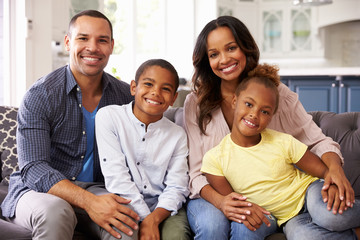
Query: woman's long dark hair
[{"x": 205, "y": 83}]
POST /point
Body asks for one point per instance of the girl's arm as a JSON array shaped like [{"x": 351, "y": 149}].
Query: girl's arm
[
  {"x": 313, "y": 165},
  {"x": 254, "y": 214}
]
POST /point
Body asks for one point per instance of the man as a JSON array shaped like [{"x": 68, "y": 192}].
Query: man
[{"x": 60, "y": 184}]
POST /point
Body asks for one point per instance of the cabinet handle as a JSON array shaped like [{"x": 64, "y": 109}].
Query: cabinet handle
[
  {"x": 342, "y": 85},
  {"x": 333, "y": 85}
]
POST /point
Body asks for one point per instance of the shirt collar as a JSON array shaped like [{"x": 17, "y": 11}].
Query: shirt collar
[
  {"x": 71, "y": 82},
  {"x": 129, "y": 111}
]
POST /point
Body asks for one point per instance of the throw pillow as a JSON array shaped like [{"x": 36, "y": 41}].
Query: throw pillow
[{"x": 8, "y": 124}]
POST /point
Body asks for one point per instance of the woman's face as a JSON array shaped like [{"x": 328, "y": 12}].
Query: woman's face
[{"x": 225, "y": 56}]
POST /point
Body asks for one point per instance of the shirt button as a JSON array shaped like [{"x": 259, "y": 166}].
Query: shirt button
[
  {"x": 104, "y": 159},
  {"x": 73, "y": 178},
  {"x": 143, "y": 139},
  {"x": 138, "y": 163},
  {"x": 82, "y": 157},
  {"x": 142, "y": 125},
  {"x": 79, "y": 105},
  {"x": 77, "y": 89},
  {"x": 145, "y": 186},
  {"x": 83, "y": 132}
]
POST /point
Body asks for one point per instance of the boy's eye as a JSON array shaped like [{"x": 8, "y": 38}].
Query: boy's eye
[
  {"x": 248, "y": 104},
  {"x": 149, "y": 84},
  {"x": 167, "y": 89},
  {"x": 265, "y": 112}
]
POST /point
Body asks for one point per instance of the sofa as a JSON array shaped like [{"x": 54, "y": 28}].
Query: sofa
[{"x": 343, "y": 128}]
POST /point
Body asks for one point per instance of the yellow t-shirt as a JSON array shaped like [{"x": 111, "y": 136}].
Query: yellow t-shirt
[{"x": 264, "y": 173}]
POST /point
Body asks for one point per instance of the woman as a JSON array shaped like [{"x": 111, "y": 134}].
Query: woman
[{"x": 224, "y": 53}]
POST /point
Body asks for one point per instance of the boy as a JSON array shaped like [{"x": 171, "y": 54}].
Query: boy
[
  {"x": 259, "y": 163},
  {"x": 143, "y": 155}
]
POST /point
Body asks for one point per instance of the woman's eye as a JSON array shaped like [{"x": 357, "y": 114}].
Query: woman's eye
[{"x": 213, "y": 55}]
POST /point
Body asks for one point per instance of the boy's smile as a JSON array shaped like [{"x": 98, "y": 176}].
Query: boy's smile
[{"x": 154, "y": 93}]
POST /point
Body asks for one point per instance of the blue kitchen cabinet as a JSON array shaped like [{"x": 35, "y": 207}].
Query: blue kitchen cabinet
[
  {"x": 350, "y": 94},
  {"x": 326, "y": 93}
]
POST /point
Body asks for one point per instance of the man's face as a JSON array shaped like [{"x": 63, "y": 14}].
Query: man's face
[{"x": 90, "y": 46}]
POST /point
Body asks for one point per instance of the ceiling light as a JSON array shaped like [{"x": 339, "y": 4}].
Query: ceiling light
[{"x": 311, "y": 2}]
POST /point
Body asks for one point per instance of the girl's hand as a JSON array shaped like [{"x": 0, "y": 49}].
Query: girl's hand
[
  {"x": 331, "y": 196},
  {"x": 256, "y": 217},
  {"x": 236, "y": 208},
  {"x": 336, "y": 175},
  {"x": 232, "y": 207}
]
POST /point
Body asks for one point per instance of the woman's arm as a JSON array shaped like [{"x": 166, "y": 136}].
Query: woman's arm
[
  {"x": 232, "y": 204},
  {"x": 292, "y": 118}
]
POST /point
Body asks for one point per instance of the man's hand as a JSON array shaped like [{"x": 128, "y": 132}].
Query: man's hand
[{"x": 108, "y": 210}]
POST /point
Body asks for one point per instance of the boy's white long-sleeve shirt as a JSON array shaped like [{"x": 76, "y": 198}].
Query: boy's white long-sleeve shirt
[{"x": 148, "y": 166}]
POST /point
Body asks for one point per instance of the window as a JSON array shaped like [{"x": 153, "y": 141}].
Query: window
[{"x": 141, "y": 31}]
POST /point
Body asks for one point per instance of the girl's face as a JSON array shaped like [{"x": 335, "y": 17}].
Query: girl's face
[
  {"x": 254, "y": 108},
  {"x": 225, "y": 56}
]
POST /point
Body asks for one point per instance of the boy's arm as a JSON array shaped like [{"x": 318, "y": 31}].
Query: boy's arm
[
  {"x": 149, "y": 228},
  {"x": 312, "y": 164}
]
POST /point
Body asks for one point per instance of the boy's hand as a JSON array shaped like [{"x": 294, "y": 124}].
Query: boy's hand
[
  {"x": 331, "y": 196},
  {"x": 149, "y": 230}
]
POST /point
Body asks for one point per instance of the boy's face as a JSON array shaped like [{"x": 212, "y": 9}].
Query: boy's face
[
  {"x": 254, "y": 108},
  {"x": 154, "y": 93}
]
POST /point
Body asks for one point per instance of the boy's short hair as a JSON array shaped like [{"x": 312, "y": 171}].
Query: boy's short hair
[
  {"x": 264, "y": 74},
  {"x": 161, "y": 63}
]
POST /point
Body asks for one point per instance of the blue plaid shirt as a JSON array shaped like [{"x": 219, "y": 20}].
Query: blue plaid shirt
[{"x": 51, "y": 134}]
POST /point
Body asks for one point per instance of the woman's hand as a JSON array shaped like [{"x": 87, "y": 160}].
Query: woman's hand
[
  {"x": 236, "y": 208},
  {"x": 337, "y": 176}
]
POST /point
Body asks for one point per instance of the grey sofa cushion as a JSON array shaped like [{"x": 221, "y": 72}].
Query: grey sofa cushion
[
  {"x": 344, "y": 129},
  {"x": 8, "y": 151}
]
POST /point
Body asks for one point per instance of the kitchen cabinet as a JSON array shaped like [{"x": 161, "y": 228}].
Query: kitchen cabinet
[
  {"x": 326, "y": 93},
  {"x": 288, "y": 31}
]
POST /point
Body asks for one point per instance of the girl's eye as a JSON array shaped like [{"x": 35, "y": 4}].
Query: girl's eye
[{"x": 248, "y": 104}]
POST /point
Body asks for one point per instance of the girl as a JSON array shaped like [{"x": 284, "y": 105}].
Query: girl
[{"x": 224, "y": 53}]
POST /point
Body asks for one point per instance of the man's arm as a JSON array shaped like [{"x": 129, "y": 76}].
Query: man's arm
[{"x": 105, "y": 210}]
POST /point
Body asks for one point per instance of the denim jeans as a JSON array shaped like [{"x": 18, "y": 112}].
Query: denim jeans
[
  {"x": 316, "y": 222},
  {"x": 208, "y": 222}
]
